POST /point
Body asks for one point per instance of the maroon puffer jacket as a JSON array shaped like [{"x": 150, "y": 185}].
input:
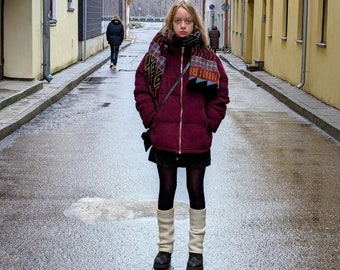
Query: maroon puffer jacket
[{"x": 186, "y": 121}]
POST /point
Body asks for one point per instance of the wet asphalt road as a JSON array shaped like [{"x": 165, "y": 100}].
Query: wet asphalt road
[{"x": 77, "y": 191}]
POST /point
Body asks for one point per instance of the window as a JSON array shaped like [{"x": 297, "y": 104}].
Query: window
[
  {"x": 285, "y": 20},
  {"x": 70, "y": 5},
  {"x": 323, "y": 30},
  {"x": 52, "y": 12},
  {"x": 300, "y": 21},
  {"x": 270, "y": 30}
]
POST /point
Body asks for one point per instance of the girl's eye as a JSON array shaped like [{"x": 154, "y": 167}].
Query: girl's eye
[{"x": 187, "y": 21}]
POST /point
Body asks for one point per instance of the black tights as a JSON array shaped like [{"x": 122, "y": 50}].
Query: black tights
[{"x": 168, "y": 184}]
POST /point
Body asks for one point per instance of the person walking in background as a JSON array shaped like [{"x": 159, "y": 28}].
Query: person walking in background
[
  {"x": 181, "y": 122},
  {"x": 115, "y": 37},
  {"x": 214, "y": 35}
]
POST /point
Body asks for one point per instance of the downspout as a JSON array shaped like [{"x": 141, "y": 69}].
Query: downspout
[
  {"x": 46, "y": 42},
  {"x": 229, "y": 25},
  {"x": 84, "y": 28},
  {"x": 226, "y": 27},
  {"x": 203, "y": 10},
  {"x": 304, "y": 44},
  {"x": 243, "y": 26}
]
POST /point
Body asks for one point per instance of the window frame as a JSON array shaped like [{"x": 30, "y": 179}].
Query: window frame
[
  {"x": 70, "y": 5},
  {"x": 52, "y": 13},
  {"x": 271, "y": 12},
  {"x": 323, "y": 30},
  {"x": 285, "y": 20},
  {"x": 299, "y": 33}
]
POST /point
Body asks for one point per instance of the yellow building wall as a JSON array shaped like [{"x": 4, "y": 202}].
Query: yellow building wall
[
  {"x": 236, "y": 28},
  {"x": 282, "y": 51},
  {"x": 248, "y": 32},
  {"x": 64, "y": 37},
  {"x": 258, "y": 30},
  {"x": 18, "y": 39},
  {"x": 23, "y": 39},
  {"x": 267, "y": 38},
  {"x": 323, "y": 64},
  {"x": 37, "y": 41}
]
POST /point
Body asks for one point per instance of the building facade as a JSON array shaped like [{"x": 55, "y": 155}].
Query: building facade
[
  {"x": 294, "y": 40},
  {"x": 36, "y": 42},
  {"x": 39, "y": 38},
  {"x": 156, "y": 8}
]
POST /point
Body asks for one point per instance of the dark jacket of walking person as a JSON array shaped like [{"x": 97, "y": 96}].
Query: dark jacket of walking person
[
  {"x": 214, "y": 35},
  {"x": 115, "y": 37},
  {"x": 182, "y": 124}
]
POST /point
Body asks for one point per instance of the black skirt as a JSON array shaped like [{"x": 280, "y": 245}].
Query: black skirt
[{"x": 173, "y": 160}]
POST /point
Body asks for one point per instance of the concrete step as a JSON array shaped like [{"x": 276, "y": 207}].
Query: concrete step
[{"x": 12, "y": 91}]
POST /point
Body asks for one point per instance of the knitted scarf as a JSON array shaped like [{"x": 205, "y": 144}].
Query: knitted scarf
[{"x": 203, "y": 73}]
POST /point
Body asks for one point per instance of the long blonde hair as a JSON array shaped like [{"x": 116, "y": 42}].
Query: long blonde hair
[{"x": 188, "y": 6}]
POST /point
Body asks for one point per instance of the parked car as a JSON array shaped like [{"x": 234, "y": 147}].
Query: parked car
[{"x": 150, "y": 17}]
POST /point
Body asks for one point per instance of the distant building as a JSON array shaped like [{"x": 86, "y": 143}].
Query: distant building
[{"x": 156, "y": 8}]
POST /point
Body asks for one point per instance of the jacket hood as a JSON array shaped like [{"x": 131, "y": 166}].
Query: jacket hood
[{"x": 116, "y": 18}]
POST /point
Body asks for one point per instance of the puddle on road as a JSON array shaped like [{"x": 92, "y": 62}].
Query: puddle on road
[{"x": 92, "y": 210}]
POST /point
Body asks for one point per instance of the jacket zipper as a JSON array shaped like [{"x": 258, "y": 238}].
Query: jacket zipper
[{"x": 181, "y": 107}]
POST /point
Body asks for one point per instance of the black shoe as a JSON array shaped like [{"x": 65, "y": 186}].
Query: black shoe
[
  {"x": 195, "y": 262},
  {"x": 162, "y": 260}
]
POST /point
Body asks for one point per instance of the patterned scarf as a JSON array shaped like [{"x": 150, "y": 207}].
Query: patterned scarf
[{"x": 203, "y": 73}]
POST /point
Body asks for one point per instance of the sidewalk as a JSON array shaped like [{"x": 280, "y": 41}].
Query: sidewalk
[
  {"x": 325, "y": 117},
  {"x": 21, "y": 101}
]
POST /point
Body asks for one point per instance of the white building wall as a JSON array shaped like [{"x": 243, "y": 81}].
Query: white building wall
[{"x": 216, "y": 16}]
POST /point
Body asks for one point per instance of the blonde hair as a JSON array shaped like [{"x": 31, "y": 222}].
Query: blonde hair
[{"x": 188, "y": 6}]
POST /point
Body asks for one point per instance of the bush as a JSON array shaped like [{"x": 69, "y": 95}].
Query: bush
[{"x": 133, "y": 25}]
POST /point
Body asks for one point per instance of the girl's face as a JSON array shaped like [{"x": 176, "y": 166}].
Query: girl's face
[{"x": 183, "y": 24}]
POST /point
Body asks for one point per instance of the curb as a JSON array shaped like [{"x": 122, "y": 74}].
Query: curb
[
  {"x": 56, "y": 94},
  {"x": 300, "y": 108},
  {"x": 22, "y": 94}
]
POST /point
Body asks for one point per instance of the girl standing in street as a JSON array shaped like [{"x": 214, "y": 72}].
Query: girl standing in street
[{"x": 181, "y": 124}]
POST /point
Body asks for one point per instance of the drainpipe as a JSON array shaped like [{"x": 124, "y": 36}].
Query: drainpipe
[
  {"x": 243, "y": 26},
  {"x": 84, "y": 27},
  {"x": 229, "y": 25},
  {"x": 226, "y": 21},
  {"x": 304, "y": 44},
  {"x": 46, "y": 42},
  {"x": 202, "y": 9}
]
